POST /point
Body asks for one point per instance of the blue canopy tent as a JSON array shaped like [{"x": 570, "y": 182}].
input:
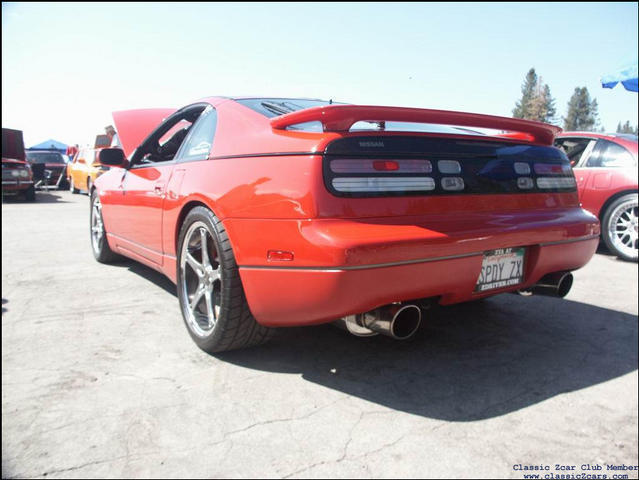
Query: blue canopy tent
[
  {"x": 50, "y": 145},
  {"x": 627, "y": 75}
]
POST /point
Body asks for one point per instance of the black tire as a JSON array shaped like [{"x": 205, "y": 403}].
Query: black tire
[
  {"x": 72, "y": 186},
  {"x": 232, "y": 325},
  {"x": 619, "y": 227},
  {"x": 99, "y": 244},
  {"x": 30, "y": 194}
]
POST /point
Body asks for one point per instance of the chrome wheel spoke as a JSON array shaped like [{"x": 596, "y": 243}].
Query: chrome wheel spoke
[
  {"x": 210, "y": 313},
  {"x": 216, "y": 273},
  {"x": 194, "y": 264},
  {"x": 195, "y": 299},
  {"x": 204, "y": 246}
]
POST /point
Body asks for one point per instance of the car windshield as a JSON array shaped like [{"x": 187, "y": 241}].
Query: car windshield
[{"x": 45, "y": 157}]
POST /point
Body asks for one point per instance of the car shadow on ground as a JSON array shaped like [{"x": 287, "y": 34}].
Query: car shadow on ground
[
  {"x": 148, "y": 273},
  {"x": 52, "y": 196},
  {"x": 468, "y": 362}
]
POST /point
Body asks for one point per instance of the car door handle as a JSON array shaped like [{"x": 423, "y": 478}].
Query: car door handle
[{"x": 158, "y": 188}]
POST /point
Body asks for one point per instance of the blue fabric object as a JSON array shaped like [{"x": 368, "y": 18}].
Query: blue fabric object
[
  {"x": 50, "y": 145},
  {"x": 626, "y": 75}
]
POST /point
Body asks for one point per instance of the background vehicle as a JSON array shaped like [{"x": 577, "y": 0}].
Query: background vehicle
[
  {"x": 17, "y": 177},
  {"x": 54, "y": 167},
  {"x": 84, "y": 169},
  {"x": 605, "y": 167},
  {"x": 281, "y": 212}
]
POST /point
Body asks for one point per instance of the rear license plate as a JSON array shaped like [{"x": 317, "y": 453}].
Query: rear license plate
[{"x": 500, "y": 268}]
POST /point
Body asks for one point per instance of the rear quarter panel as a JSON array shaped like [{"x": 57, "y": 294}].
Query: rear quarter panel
[
  {"x": 277, "y": 187},
  {"x": 605, "y": 183}
]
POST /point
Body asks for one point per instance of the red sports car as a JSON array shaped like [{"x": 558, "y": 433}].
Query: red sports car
[
  {"x": 270, "y": 212},
  {"x": 605, "y": 167}
]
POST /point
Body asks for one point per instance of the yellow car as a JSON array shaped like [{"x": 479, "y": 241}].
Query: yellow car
[{"x": 84, "y": 169}]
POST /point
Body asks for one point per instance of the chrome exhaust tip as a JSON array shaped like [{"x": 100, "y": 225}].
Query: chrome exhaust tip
[
  {"x": 556, "y": 284},
  {"x": 398, "y": 321}
]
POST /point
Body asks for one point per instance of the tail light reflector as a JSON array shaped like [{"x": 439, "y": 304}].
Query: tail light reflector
[
  {"x": 561, "y": 182},
  {"x": 383, "y": 184},
  {"x": 366, "y": 165},
  {"x": 385, "y": 165},
  {"x": 453, "y": 184},
  {"x": 279, "y": 256},
  {"x": 525, "y": 183},
  {"x": 521, "y": 168},
  {"x": 449, "y": 166},
  {"x": 552, "y": 168}
]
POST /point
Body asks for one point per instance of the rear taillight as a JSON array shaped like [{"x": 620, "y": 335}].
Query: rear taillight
[
  {"x": 396, "y": 166},
  {"x": 394, "y": 179},
  {"x": 383, "y": 184},
  {"x": 368, "y": 165},
  {"x": 551, "y": 169},
  {"x": 554, "y": 183}
]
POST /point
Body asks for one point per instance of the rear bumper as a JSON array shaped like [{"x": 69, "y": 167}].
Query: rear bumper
[
  {"x": 342, "y": 267},
  {"x": 9, "y": 186}
]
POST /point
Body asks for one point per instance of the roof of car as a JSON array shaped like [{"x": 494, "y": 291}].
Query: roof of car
[{"x": 592, "y": 134}]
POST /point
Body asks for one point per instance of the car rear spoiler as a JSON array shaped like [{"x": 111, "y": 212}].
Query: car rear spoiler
[{"x": 340, "y": 118}]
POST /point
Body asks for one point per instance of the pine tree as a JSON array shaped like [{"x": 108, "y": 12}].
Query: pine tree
[
  {"x": 582, "y": 112},
  {"x": 551, "y": 110},
  {"x": 536, "y": 101},
  {"x": 627, "y": 128},
  {"x": 528, "y": 90},
  {"x": 542, "y": 105}
]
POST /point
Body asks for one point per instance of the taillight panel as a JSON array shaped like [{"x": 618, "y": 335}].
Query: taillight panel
[{"x": 400, "y": 166}]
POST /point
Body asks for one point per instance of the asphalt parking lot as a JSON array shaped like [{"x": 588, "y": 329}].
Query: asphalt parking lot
[{"x": 100, "y": 378}]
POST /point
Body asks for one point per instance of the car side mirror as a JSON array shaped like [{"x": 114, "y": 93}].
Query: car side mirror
[{"x": 113, "y": 157}]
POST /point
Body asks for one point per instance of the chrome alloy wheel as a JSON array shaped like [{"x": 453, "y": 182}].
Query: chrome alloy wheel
[
  {"x": 622, "y": 228},
  {"x": 97, "y": 227},
  {"x": 201, "y": 280}
]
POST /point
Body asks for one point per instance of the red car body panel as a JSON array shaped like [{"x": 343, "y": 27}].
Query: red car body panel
[
  {"x": 600, "y": 184},
  {"x": 266, "y": 185},
  {"x": 318, "y": 296}
]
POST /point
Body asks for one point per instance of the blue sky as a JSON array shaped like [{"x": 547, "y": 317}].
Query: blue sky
[{"x": 65, "y": 67}]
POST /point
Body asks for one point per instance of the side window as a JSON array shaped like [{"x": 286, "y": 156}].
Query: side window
[
  {"x": 575, "y": 148},
  {"x": 609, "y": 154},
  {"x": 197, "y": 144}
]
